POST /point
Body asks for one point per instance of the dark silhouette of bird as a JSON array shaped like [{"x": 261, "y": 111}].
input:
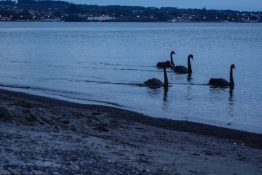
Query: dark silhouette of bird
[
  {"x": 155, "y": 83},
  {"x": 183, "y": 69},
  {"x": 222, "y": 83},
  {"x": 167, "y": 64}
]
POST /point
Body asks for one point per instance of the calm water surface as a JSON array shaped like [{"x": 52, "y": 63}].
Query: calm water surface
[{"x": 105, "y": 63}]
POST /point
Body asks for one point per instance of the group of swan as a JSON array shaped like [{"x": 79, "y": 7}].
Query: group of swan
[{"x": 214, "y": 82}]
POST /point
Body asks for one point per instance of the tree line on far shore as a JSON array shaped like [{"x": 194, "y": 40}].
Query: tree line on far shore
[{"x": 30, "y": 10}]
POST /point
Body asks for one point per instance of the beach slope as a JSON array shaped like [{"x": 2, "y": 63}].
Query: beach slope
[{"x": 39, "y": 135}]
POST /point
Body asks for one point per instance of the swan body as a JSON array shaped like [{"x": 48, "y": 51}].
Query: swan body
[
  {"x": 219, "y": 82},
  {"x": 183, "y": 69},
  {"x": 156, "y": 83},
  {"x": 222, "y": 83},
  {"x": 167, "y": 64},
  {"x": 164, "y": 64}
]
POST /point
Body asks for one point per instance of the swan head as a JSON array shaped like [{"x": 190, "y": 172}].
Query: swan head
[
  {"x": 173, "y": 52},
  {"x": 190, "y": 56},
  {"x": 233, "y": 66}
]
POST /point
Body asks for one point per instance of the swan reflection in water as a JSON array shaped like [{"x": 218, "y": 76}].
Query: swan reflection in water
[
  {"x": 165, "y": 98},
  {"x": 231, "y": 97}
]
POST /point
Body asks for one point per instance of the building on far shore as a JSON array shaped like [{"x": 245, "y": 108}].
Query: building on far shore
[
  {"x": 5, "y": 18},
  {"x": 25, "y": 1},
  {"x": 29, "y": 1}
]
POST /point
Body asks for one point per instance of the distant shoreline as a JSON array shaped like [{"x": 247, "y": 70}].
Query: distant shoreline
[
  {"x": 211, "y": 22},
  {"x": 66, "y": 11}
]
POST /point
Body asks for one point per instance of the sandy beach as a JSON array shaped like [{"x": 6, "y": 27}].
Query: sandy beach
[{"x": 39, "y": 135}]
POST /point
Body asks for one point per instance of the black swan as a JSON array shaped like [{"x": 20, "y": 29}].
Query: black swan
[
  {"x": 222, "y": 83},
  {"x": 183, "y": 69},
  {"x": 156, "y": 83},
  {"x": 168, "y": 64}
]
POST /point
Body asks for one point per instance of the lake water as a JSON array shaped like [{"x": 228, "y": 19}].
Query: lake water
[{"x": 105, "y": 63}]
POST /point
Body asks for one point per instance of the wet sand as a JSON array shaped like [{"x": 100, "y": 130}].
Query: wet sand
[{"x": 39, "y": 135}]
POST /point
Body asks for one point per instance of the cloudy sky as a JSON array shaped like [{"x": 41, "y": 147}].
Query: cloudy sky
[{"x": 209, "y": 4}]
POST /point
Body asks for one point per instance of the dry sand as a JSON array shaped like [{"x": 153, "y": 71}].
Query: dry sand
[{"x": 39, "y": 135}]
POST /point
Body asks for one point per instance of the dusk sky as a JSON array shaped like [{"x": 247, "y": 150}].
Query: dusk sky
[{"x": 209, "y": 4}]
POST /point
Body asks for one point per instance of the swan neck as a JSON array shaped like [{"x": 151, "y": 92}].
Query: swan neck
[
  {"x": 165, "y": 78},
  {"x": 189, "y": 66},
  {"x": 172, "y": 61},
  {"x": 231, "y": 78}
]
